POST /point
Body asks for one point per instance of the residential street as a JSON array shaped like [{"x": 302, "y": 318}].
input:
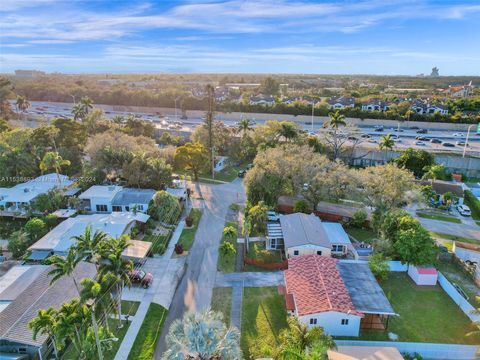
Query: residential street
[
  {"x": 444, "y": 227},
  {"x": 195, "y": 290}
]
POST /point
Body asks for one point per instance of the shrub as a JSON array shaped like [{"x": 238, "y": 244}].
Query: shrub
[
  {"x": 301, "y": 206},
  {"x": 358, "y": 218},
  {"x": 50, "y": 220},
  {"x": 178, "y": 249},
  {"x": 189, "y": 221},
  {"x": 378, "y": 263},
  {"x": 35, "y": 228},
  {"x": 165, "y": 207}
]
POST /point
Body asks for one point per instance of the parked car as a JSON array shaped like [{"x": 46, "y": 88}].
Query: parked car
[
  {"x": 273, "y": 216},
  {"x": 422, "y": 131},
  {"x": 242, "y": 173},
  {"x": 141, "y": 277},
  {"x": 435, "y": 141},
  {"x": 464, "y": 210},
  {"x": 457, "y": 134},
  {"x": 419, "y": 143},
  {"x": 447, "y": 144}
]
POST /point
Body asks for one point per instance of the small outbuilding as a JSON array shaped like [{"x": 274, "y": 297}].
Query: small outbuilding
[{"x": 423, "y": 275}]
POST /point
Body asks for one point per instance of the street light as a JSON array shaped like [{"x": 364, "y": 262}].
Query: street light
[
  {"x": 313, "y": 108},
  {"x": 466, "y": 140},
  {"x": 73, "y": 97}
]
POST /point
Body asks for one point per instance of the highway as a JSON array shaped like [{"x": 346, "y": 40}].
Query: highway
[{"x": 48, "y": 110}]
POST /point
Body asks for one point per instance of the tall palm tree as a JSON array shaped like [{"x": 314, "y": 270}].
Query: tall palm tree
[
  {"x": 87, "y": 104},
  {"x": 100, "y": 293},
  {"x": 46, "y": 324},
  {"x": 88, "y": 245},
  {"x": 73, "y": 321},
  {"x": 408, "y": 115},
  {"x": 335, "y": 120},
  {"x": 78, "y": 112},
  {"x": 116, "y": 265},
  {"x": 287, "y": 130},
  {"x": 386, "y": 144},
  {"x": 22, "y": 103},
  {"x": 202, "y": 335},
  {"x": 244, "y": 126},
  {"x": 299, "y": 341},
  {"x": 64, "y": 266},
  {"x": 53, "y": 160}
]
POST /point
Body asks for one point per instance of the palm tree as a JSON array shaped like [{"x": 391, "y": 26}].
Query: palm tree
[
  {"x": 202, "y": 335},
  {"x": 22, "y": 103},
  {"x": 53, "y": 160},
  {"x": 116, "y": 265},
  {"x": 335, "y": 120},
  {"x": 86, "y": 104},
  {"x": 433, "y": 172},
  {"x": 100, "y": 293},
  {"x": 46, "y": 324},
  {"x": 244, "y": 126},
  {"x": 287, "y": 130},
  {"x": 408, "y": 115},
  {"x": 64, "y": 266},
  {"x": 87, "y": 245},
  {"x": 73, "y": 320},
  {"x": 386, "y": 144},
  {"x": 299, "y": 341},
  {"x": 78, "y": 112}
]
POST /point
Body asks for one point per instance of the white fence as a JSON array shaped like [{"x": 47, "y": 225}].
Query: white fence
[
  {"x": 397, "y": 266},
  {"x": 427, "y": 350}
]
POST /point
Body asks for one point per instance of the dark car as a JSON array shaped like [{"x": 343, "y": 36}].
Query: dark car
[
  {"x": 398, "y": 130},
  {"x": 379, "y": 128},
  {"x": 414, "y": 128},
  {"x": 422, "y": 131},
  {"x": 447, "y": 144},
  {"x": 422, "y": 138},
  {"x": 242, "y": 173},
  {"x": 141, "y": 277},
  {"x": 352, "y": 138},
  {"x": 435, "y": 141},
  {"x": 366, "y": 136}
]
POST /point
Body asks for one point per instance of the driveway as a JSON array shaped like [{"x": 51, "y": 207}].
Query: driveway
[
  {"x": 195, "y": 290},
  {"x": 249, "y": 279}
]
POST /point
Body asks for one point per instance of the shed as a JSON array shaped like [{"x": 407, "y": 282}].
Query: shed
[
  {"x": 423, "y": 275},
  {"x": 137, "y": 250}
]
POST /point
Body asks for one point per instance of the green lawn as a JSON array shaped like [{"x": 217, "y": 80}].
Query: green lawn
[
  {"x": 70, "y": 353},
  {"x": 222, "y": 302},
  {"x": 365, "y": 235},
  {"x": 187, "y": 236},
  {"x": 226, "y": 262},
  {"x": 454, "y": 238},
  {"x": 159, "y": 242},
  {"x": 427, "y": 314},
  {"x": 257, "y": 251},
  {"x": 474, "y": 204},
  {"x": 228, "y": 174},
  {"x": 146, "y": 340},
  {"x": 130, "y": 307},
  {"x": 439, "y": 217},
  {"x": 263, "y": 316}
]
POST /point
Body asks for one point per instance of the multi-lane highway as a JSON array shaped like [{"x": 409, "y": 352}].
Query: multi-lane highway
[{"x": 171, "y": 119}]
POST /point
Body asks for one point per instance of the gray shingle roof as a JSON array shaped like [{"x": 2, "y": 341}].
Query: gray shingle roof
[
  {"x": 39, "y": 295},
  {"x": 302, "y": 229}
]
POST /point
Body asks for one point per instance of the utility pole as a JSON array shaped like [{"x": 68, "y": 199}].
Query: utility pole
[
  {"x": 97, "y": 339},
  {"x": 213, "y": 162},
  {"x": 466, "y": 140},
  {"x": 313, "y": 109},
  {"x": 209, "y": 121}
]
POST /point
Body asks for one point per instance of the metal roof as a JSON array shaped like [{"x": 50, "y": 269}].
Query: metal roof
[
  {"x": 129, "y": 196},
  {"x": 302, "y": 229}
]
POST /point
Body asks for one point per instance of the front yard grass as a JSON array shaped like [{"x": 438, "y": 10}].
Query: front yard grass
[
  {"x": 187, "y": 236},
  {"x": 130, "y": 307},
  {"x": 228, "y": 174},
  {"x": 147, "y": 338},
  {"x": 439, "y": 217},
  {"x": 222, "y": 302},
  {"x": 159, "y": 242},
  {"x": 263, "y": 317},
  {"x": 427, "y": 314},
  {"x": 257, "y": 251},
  {"x": 226, "y": 262},
  {"x": 365, "y": 235}
]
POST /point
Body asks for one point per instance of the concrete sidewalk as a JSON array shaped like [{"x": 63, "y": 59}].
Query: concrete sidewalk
[{"x": 249, "y": 279}]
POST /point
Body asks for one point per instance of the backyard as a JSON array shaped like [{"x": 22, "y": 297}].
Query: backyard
[
  {"x": 147, "y": 338},
  {"x": 258, "y": 252},
  {"x": 426, "y": 314},
  {"x": 263, "y": 316},
  {"x": 222, "y": 302},
  {"x": 361, "y": 235},
  {"x": 226, "y": 261},
  {"x": 187, "y": 236}
]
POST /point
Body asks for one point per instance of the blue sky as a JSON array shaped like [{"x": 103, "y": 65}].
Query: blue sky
[{"x": 264, "y": 36}]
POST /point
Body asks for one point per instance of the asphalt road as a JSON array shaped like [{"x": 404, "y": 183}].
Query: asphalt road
[{"x": 195, "y": 290}]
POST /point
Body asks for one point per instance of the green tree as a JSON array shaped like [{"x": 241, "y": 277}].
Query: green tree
[
  {"x": 244, "y": 126},
  {"x": 288, "y": 130},
  {"x": 78, "y": 112},
  {"x": 87, "y": 104},
  {"x": 433, "y": 172},
  {"x": 22, "y": 103},
  {"x": 415, "y": 161},
  {"x": 202, "y": 335},
  {"x": 302, "y": 207},
  {"x": 415, "y": 246},
  {"x": 88, "y": 244},
  {"x": 229, "y": 232},
  {"x": 45, "y": 323},
  {"x": 53, "y": 161},
  {"x": 386, "y": 144},
  {"x": 227, "y": 248},
  {"x": 269, "y": 86},
  {"x": 165, "y": 207},
  {"x": 18, "y": 243},
  {"x": 333, "y": 136},
  {"x": 257, "y": 216},
  {"x": 35, "y": 228},
  {"x": 73, "y": 321},
  {"x": 64, "y": 266},
  {"x": 378, "y": 264},
  {"x": 191, "y": 157}
]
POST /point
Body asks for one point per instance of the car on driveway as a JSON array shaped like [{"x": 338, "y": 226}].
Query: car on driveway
[
  {"x": 242, "y": 173},
  {"x": 141, "y": 277},
  {"x": 273, "y": 216},
  {"x": 464, "y": 210}
]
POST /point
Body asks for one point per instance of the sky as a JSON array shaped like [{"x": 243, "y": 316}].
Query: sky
[{"x": 385, "y": 37}]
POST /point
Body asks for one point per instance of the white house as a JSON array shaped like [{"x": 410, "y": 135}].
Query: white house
[
  {"x": 423, "y": 275},
  {"x": 220, "y": 163},
  {"x": 340, "y": 296},
  {"x": 178, "y": 189},
  {"x": 60, "y": 239},
  {"x": 376, "y": 105},
  {"x": 114, "y": 198},
  {"x": 262, "y": 100},
  {"x": 301, "y": 234},
  {"x": 425, "y": 107},
  {"x": 341, "y": 102},
  {"x": 16, "y": 198}
]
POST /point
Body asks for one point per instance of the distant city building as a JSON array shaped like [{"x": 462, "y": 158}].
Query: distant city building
[
  {"x": 28, "y": 74},
  {"x": 341, "y": 102}
]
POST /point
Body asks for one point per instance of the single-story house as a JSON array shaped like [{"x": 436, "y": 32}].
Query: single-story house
[
  {"x": 178, "y": 189},
  {"x": 340, "y": 296},
  {"x": 220, "y": 163},
  {"x": 302, "y": 234},
  {"x": 114, "y": 198},
  {"x": 262, "y": 100},
  {"x": 425, "y": 107},
  {"x": 423, "y": 275},
  {"x": 442, "y": 187},
  {"x": 18, "y": 197},
  {"x": 23, "y": 291},
  {"x": 376, "y": 105},
  {"x": 59, "y": 239},
  {"x": 341, "y": 102},
  {"x": 364, "y": 353}
]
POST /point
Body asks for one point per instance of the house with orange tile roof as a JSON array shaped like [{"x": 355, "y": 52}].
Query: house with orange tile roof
[{"x": 340, "y": 296}]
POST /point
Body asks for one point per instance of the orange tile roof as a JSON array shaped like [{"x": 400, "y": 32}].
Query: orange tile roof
[{"x": 317, "y": 286}]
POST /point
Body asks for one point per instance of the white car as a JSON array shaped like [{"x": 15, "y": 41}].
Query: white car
[
  {"x": 273, "y": 216},
  {"x": 464, "y": 210},
  {"x": 457, "y": 134}
]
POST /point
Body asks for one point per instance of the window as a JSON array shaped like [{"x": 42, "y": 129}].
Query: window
[
  {"x": 295, "y": 252},
  {"x": 313, "y": 321},
  {"x": 22, "y": 350},
  {"x": 116, "y": 208},
  {"x": 102, "y": 208},
  {"x": 140, "y": 207},
  {"x": 319, "y": 253},
  {"x": 127, "y": 208},
  {"x": 344, "y": 321},
  {"x": 337, "y": 248}
]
